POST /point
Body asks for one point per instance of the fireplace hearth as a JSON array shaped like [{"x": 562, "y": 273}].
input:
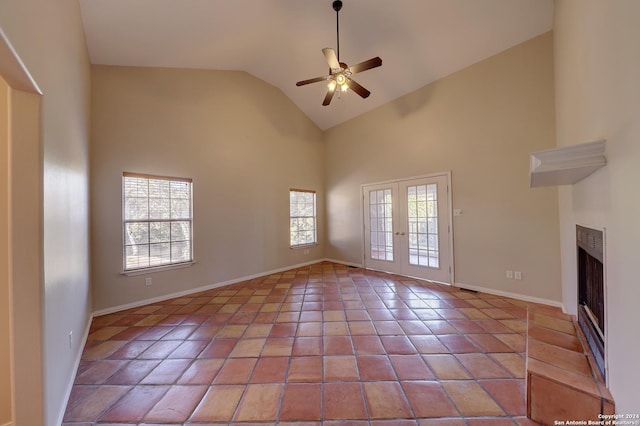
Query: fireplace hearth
[{"x": 591, "y": 303}]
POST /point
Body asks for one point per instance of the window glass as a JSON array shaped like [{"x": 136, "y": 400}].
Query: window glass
[
  {"x": 302, "y": 217},
  {"x": 157, "y": 221}
]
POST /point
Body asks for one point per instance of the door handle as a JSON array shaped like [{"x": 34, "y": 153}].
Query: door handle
[{"x": 399, "y": 233}]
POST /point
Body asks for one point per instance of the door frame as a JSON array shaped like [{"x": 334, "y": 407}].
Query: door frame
[
  {"x": 447, "y": 175},
  {"x": 23, "y": 204}
]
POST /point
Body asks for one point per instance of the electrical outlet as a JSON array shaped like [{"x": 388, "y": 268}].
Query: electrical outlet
[
  {"x": 148, "y": 281},
  {"x": 517, "y": 275},
  {"x": 306, "y": 251},
  {"x": 510, "y": 274}
]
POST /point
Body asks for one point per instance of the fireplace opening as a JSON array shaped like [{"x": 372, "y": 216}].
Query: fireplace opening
[{"x": 591, "y": 306}]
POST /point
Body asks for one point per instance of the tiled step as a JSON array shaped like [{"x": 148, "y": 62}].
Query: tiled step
[{"x": 562, "y": 382}]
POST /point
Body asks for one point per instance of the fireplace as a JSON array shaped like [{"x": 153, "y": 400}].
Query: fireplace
[{"x": 591, "y": 304}]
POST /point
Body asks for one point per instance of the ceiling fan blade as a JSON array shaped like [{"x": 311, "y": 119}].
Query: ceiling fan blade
[
  {"x": 332, "y": 58},
  {"x": 329, "y": 96},
  {"x": 366, "y": 65},
  {"x": 364, "y": 93},
  {"x": 311, "y": 80}
]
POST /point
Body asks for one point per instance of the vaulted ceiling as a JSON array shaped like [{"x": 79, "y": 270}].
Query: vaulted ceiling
[{"x": 281, "y": 41}]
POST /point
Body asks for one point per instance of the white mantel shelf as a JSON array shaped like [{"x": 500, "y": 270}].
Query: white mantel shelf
[{"x": 566, "y": 165}]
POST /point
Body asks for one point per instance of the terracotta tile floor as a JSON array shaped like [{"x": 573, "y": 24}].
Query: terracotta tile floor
[{"x": 324, "y": 344}]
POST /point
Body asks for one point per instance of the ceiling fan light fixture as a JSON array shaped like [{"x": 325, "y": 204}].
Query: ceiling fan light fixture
[{"x": 341, "y": 79}]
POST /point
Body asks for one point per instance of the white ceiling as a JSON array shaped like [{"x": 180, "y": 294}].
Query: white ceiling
[{"x": 281, "y": 41}]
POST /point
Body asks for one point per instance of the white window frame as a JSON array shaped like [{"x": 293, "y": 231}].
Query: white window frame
[
  {"x": 126, "y": 240},
  {"x": 293, "y": 217}
]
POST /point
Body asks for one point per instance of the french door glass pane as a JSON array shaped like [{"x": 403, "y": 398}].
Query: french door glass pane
[
  {"x": 422, "y": 218},
  {"x": 381, "y": 224}
]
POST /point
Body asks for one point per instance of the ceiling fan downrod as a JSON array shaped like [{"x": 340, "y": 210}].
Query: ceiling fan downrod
[{"x": 337, "y": 6}]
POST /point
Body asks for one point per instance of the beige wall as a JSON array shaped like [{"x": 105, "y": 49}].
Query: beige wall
[
  {"x": 6, "y": 347},
  {"x": 598, "y": 96},
  {"x": 52, "y": 295},
  {"x": 481, "y": 124},
  {"x": 244, "y": 144}
]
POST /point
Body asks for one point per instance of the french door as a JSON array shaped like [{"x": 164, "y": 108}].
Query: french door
[{"x": 407, "y": 227}]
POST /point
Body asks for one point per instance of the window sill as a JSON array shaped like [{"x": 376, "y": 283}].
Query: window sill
[
  {"x": 303, "y": 246},
  {"x": 155, "y": 269}
]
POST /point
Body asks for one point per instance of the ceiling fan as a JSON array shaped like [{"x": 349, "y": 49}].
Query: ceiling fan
[{"x": 340, "y": 73}]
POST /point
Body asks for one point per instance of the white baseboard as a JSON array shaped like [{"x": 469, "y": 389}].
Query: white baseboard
[
  {"x": 162, "y": 298},
  {"x": 511, "y": 295},
  {"x": 76, "y": 364},
  {"x": 342, "y": 262}
]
